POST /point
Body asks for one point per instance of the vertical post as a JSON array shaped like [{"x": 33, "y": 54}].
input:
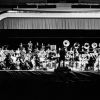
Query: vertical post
[
  {"x": 46, "y": 1},
  {"x": 17, "y": 4}
]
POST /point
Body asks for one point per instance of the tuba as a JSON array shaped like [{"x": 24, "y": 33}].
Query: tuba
[
  {"x": 66, "y": 43},
  {"x": 94, "y": 45},
  {"x": 86, "y": 45}
]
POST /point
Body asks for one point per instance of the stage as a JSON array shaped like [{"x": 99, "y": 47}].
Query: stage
[
  {"x": 42, "y": 84},
  {"x": 34, "y": 83},
  {"x": 51, "y": 76}
]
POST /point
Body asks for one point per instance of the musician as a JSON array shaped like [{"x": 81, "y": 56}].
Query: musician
[
  {"x": 8, "y": 61},
  {"x": 36, "y": 58},
  {"x": 90, "y": 64},
  {"x": 62, "y": 56},
  {"x": 97, "y": 63},
  {"x": 37, "y": 46},
  {"x": 42, "y": 57},
  {"x": 63, "y": 51},
  {"x": 37, "y": 63},
  {"x": 30, "y": 45},
  {"x": 18, "y": 52},
  {"x": 21, "y": 46}
]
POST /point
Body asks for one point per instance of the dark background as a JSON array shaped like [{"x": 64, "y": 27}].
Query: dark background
[{"x": 54, "y": 37}]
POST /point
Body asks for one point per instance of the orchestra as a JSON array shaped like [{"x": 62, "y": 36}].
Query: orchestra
[{"x": 76, "y": 57}]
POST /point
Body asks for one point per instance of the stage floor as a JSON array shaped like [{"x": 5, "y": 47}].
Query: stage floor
[
  {"x": 36, "y": 83},
  {"x": 84, "y": 76}
]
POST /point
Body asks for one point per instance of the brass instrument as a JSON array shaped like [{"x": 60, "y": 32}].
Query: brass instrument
[
  {"x": 66, "y": 43},
  {"x": 86, "y": 45},
  {"x": 94, "y": 45},
  {"x": 76, "y": 45}
]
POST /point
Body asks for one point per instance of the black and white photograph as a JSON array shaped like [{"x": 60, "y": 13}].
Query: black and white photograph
[{"x": 49, "y": 49}]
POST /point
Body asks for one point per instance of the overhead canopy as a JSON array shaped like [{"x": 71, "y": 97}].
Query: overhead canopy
[{"x": 14, "y": 2}]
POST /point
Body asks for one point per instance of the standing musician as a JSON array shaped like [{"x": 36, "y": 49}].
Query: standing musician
[
  {"x": 30, "y": 45},
  {"x": 42, "y": 57},
  {"x": 52, "y": 56},
  {"x": 63, "y": 52},
  {"x": 76, "y": 56},
  {"x": 21, "y": 46}
]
